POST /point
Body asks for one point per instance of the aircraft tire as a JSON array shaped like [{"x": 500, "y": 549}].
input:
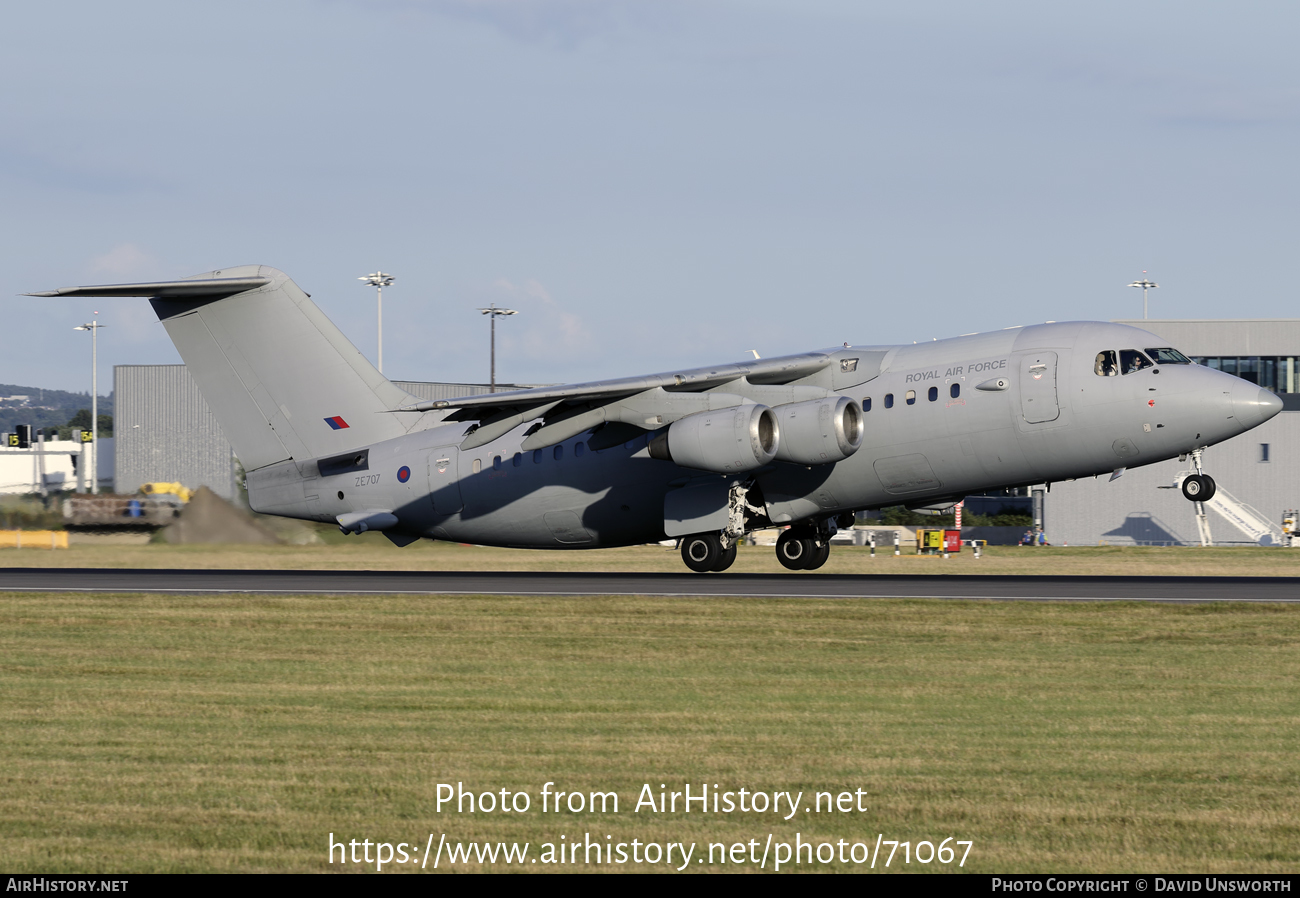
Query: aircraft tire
[
  {"x": 1198, "y": 487},
  {"x": 700, "y": 552},
  {"x": 793, "y": 550},
  {"x": 1210, "y": 487},
  {"x": 726, "y": 558},
  {"x": 818, "y": 556}
]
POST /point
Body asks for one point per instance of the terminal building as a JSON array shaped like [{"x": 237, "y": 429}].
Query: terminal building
[{"x": 1257, "y": 473}]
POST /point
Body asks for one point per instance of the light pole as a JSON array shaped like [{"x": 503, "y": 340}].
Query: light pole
[
  {"x": 493, "y": 312},
  {"x": 379, "y": 281},
  {"x": 1146, "y": 285},
  {"x": 93, "y": 326}
]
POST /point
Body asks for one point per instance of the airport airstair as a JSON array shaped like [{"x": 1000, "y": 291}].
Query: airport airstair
[{"x": 1247, "y": 519}]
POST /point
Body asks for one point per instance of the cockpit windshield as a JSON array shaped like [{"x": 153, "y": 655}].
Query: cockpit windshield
[
  {"x": 1167, "y": 356},
  {"x": 1131, "y": 360}
]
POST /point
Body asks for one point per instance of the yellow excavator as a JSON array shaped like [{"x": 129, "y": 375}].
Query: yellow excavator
[{"x": 160, "y": 489}]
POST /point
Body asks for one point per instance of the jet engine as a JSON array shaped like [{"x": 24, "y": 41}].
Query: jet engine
[
  {"x": 725, "y": 441},
  {"x": 819, "y": 431}
]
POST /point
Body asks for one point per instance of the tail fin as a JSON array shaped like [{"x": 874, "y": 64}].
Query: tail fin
[{"x": 280, "y": 377}]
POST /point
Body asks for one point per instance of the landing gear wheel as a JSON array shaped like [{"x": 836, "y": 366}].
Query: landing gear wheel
[
  {"x": 1199, "y": 487},
  {"x": 818, "y": 556},
  {"x": 701, "y": 552},
  {"x": 1210, "y": 487},
  {"x": 726, "y": 558},
  {"x": 793, "y": 550}
]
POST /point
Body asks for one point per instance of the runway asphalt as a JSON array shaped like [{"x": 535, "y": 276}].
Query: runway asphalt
[{"x": 1146, "y": 589}]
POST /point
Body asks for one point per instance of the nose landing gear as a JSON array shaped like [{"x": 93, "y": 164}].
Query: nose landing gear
[{"x": 1198, "y": 487}]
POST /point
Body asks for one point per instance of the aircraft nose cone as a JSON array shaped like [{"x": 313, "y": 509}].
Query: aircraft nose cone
[
  {"x": 1269, "y": 404},
  {"x": 1253, "y": 406}
]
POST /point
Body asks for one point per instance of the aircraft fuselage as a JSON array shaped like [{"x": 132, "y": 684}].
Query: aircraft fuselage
[{"x": 941, "y": 420}]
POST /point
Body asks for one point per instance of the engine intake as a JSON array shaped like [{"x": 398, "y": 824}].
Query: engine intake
[
  {"x": 819, "y": 431},
  {"x": 726, "y": 441}
]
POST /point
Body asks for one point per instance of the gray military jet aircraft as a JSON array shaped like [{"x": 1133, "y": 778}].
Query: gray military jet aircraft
[{"x": 704, "y": 455}]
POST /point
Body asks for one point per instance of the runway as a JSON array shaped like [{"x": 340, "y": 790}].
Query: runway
[{"x": 822, "y": 586}]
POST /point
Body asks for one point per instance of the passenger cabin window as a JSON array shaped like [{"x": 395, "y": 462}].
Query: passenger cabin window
[
  {"x": 1167, "y": 356},
  {"x": 954, "y": 391},
  {"x": 537, "y": 456},
  {"x": 519, "y": 459},
  {"x": 866, "y": 403},
  {"x": 911, "y": 397},
  {"x": 934, "y": 393},
  {"x": 559, "y": 452},
  {"x": 579, "y": 449},
  {"x": 496, "y": 463},
  {"x": 1131, "y": 360},
  {"x": 478, "y": 465},
  {"x": 1106, "y": 365},
  {"x": 889, "y": 400}
]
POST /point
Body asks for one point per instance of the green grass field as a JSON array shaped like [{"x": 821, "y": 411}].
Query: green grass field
[{"x": 164, "y": 733}]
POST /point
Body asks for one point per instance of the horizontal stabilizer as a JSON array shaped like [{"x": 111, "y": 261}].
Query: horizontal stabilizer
[{"x": 166, "y": 289}]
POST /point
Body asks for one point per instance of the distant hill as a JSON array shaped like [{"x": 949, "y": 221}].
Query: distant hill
[{"x": 43, "y": 408}]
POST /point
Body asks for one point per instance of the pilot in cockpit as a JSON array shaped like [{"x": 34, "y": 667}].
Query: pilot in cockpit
[{"x": 1105, "y": 366}]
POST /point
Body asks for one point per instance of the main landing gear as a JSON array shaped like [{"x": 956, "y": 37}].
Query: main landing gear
[
  {"x": 803, "y": 549},
  {"x": 704, "y": 553},
  {"x": 1198, "y": 487}
]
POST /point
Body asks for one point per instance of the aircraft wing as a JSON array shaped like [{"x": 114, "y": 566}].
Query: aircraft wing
[
  {"x": 761, "y": 371},
  {"x": 625, "y": 407}
]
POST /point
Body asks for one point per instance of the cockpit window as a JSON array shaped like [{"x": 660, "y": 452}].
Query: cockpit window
[
  {"x": 1131, "y": 360},
  {"x": 1106, "y": 365},
  {"x": 1167, "y": 356}
]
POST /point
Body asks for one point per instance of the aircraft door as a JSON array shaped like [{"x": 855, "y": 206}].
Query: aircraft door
[
  {"x": 444, "y": 481},
  {"x": 1038, "y": 387}
]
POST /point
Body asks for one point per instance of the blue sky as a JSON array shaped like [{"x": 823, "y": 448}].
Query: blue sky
[{"x": 652, "y": 183}]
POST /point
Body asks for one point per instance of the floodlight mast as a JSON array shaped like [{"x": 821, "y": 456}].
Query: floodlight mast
[
  {"x": 493, "y": 312},
  {"x": 93, "y": 326},
  {"x": 1146, "y": 285},
  {"x": 379, "y": 281}
]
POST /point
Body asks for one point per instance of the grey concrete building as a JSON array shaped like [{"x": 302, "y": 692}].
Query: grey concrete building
[
  {"x": 1260, "y": 468},
  {"x": 165, "y": 431}
]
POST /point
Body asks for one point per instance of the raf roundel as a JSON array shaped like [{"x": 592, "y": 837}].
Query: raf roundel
[{"x": 403, "y": 474}]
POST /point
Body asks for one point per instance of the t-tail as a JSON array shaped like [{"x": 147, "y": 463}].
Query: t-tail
[{"x": 282, "y": 380}]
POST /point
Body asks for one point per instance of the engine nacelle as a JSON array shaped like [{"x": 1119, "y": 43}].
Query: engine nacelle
[
  {"x": 819, "y": 431},
  {"x": 726, "y": 441}
]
